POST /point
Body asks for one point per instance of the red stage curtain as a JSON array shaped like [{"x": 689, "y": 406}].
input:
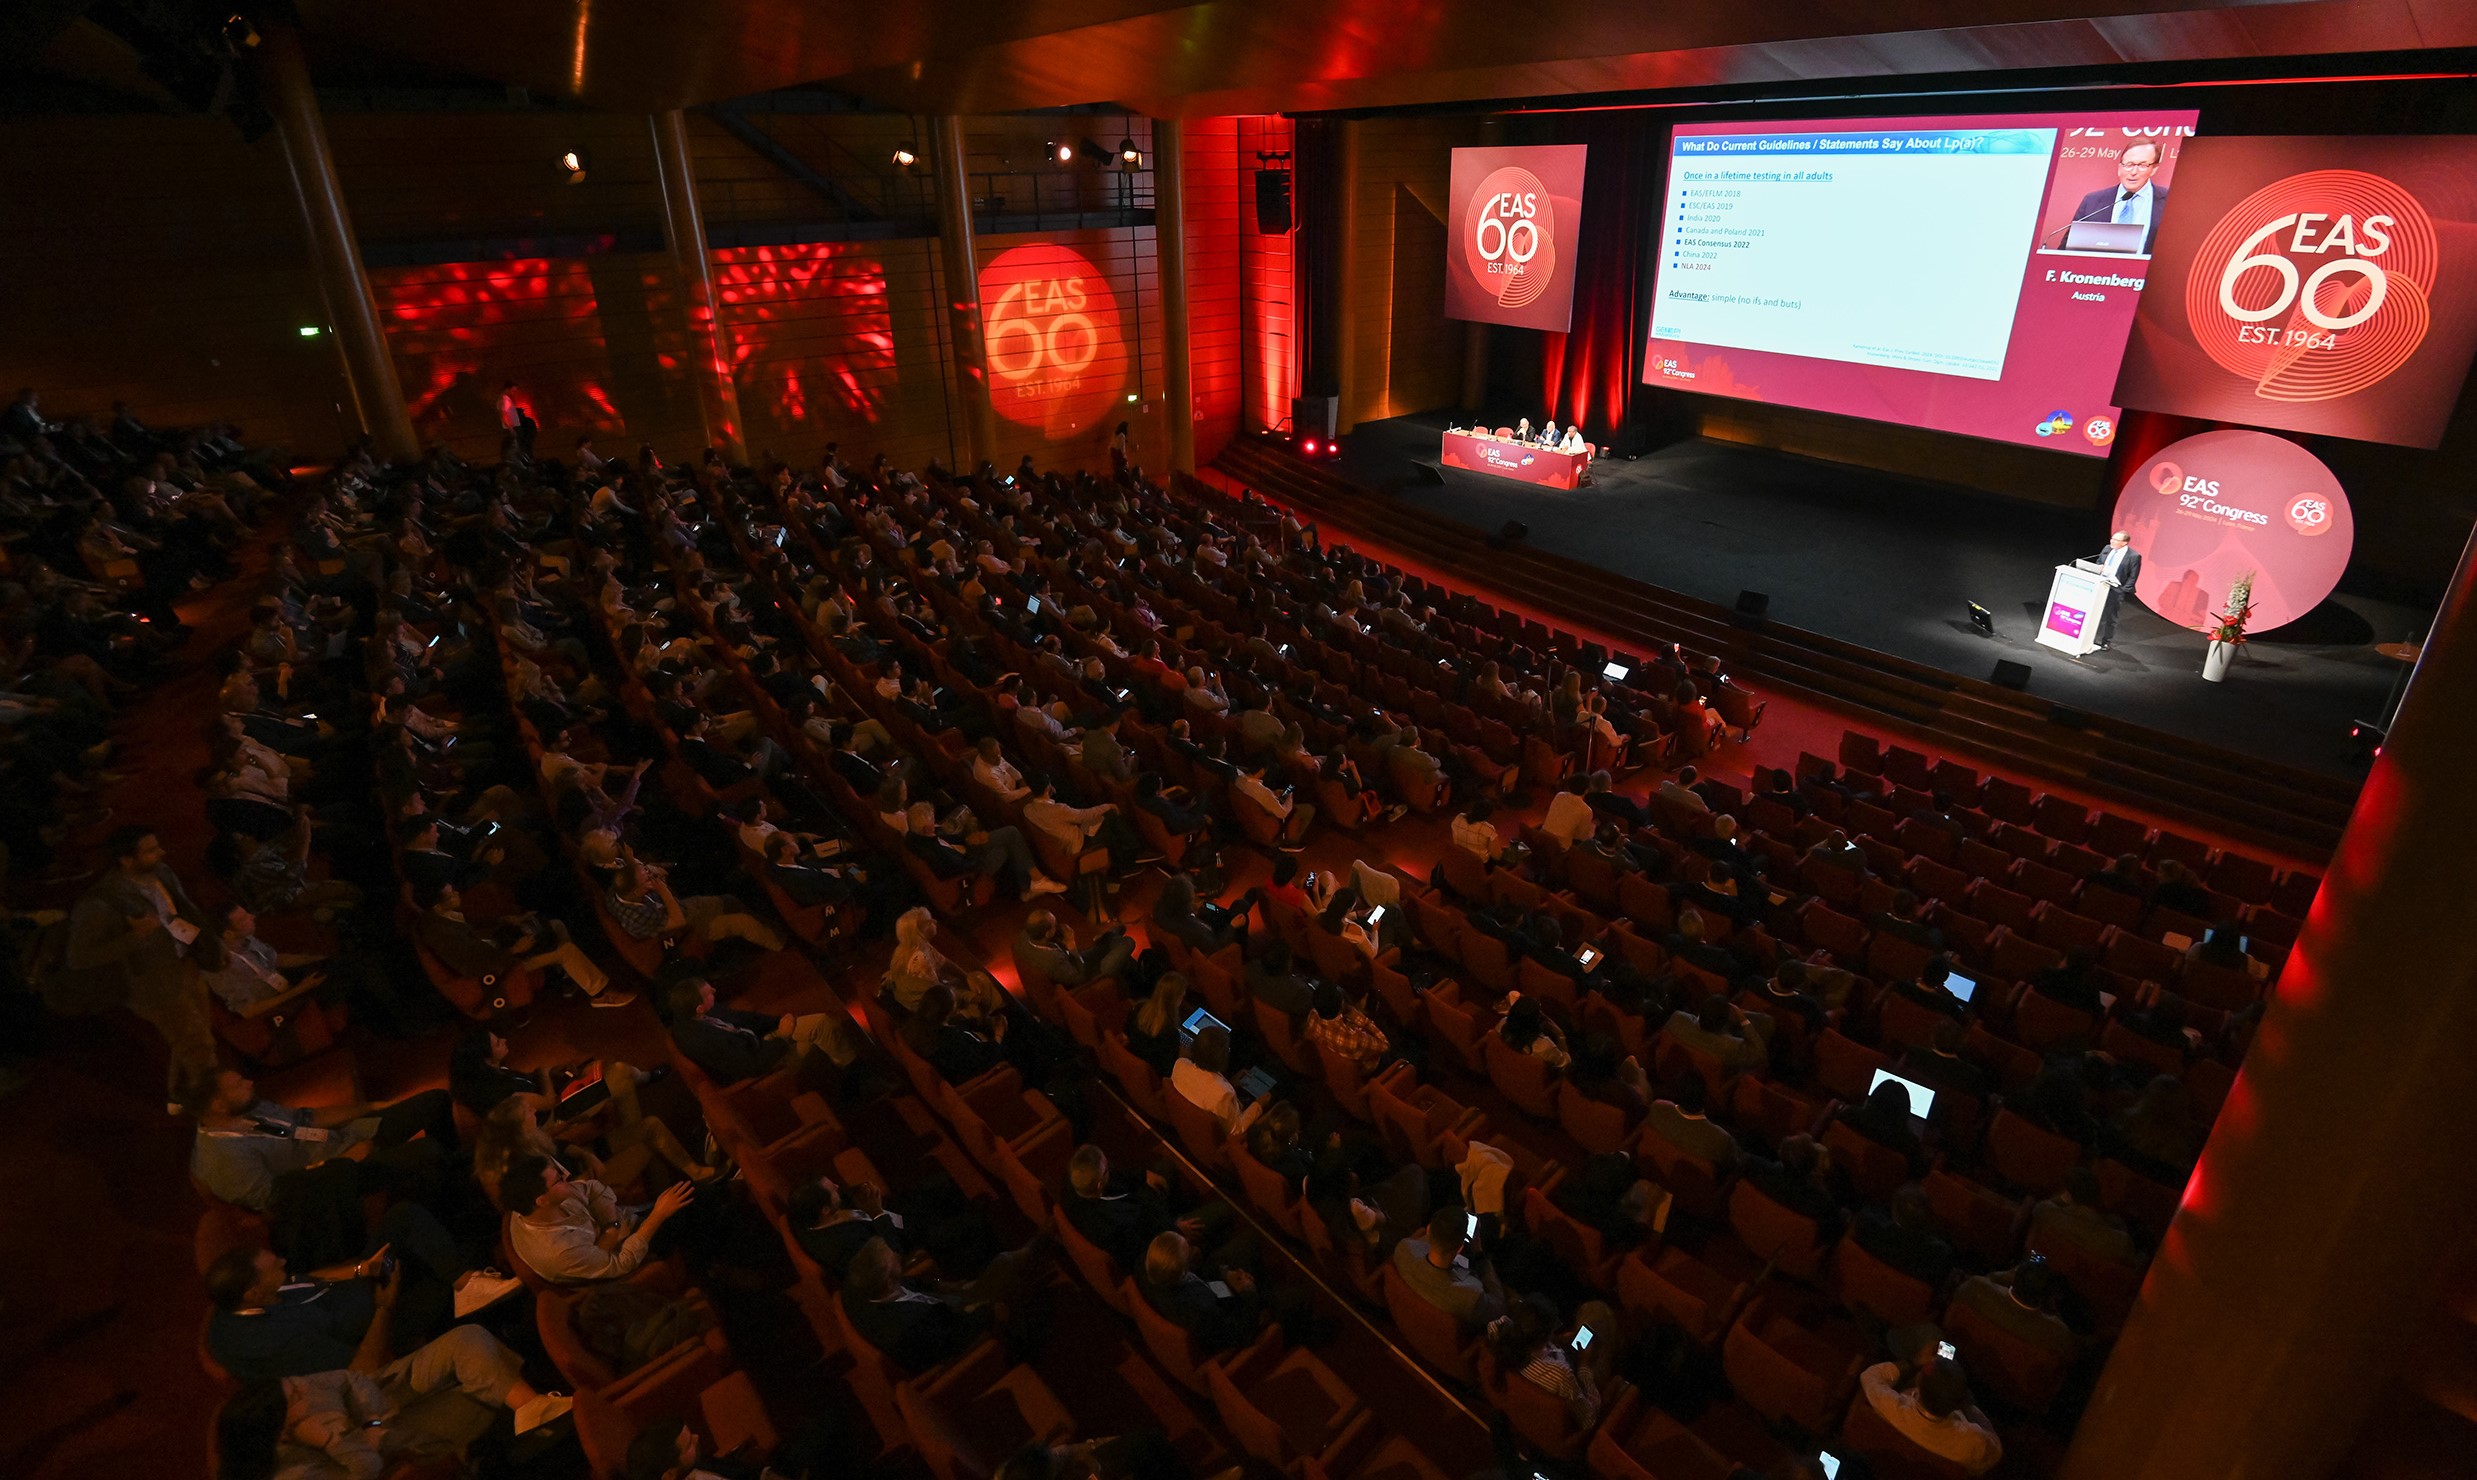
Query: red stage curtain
[{"x": 1593, "y": 371}]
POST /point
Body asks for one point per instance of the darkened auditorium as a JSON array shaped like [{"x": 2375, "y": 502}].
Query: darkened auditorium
[{"x": 1238, "y": 740}]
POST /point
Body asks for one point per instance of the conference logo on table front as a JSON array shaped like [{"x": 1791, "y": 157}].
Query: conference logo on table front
[
  {"x": 2316, "y": 286},
  {"x": 1510, "y": 238}
]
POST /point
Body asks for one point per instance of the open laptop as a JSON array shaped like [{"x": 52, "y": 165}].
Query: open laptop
[
  {"x": 2106, "y": 236},
  {"x": 1615, "y": 672},
  {"x": 1961, "y": 987},
  {"x": 1253, "y": 1085},
  {"x": 1921, "y": 1098}
]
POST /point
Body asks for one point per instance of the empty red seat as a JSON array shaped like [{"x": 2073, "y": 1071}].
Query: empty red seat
[{"x": 2027, "y": 1156}]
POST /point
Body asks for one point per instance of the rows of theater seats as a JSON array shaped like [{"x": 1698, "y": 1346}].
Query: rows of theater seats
[
  {"x": 1780, "y": 1312},
  {"x": 2029, "y": 935}
]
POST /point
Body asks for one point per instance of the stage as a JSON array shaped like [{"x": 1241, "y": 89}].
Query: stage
[{"x": 1891, "y": 564}]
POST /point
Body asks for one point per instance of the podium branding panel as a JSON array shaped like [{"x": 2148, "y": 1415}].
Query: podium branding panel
[
  {"x": 2208, "y": 509},
  {"x": 1509, "y": 255},
  {"x": 2314, "y": 284}
]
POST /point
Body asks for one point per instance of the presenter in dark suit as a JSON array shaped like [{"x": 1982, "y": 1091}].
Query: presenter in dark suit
[
  {"x": 2132, "y": 198},
  {"x": 2123, "y": 566}
]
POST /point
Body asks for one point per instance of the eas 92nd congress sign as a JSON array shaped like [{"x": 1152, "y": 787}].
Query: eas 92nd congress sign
[
  {"x": 2315, "y": 284},
  {"x": 1514, "y": 220}
]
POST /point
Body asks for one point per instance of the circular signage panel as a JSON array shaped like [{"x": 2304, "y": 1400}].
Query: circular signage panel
[{"x": 2205, "y": 511}]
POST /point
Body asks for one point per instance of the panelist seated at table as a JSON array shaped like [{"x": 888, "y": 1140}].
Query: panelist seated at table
[{"x": 1574, "y": 441}]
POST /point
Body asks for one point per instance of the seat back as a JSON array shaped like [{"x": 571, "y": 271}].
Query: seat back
[
  {"x": 1092, "y": 1262},
  {"x": 1537, "y": 1415},
  {"x": 1172, "y": 1347},
  {"x": 2028, "y": 1157},
  {"x": 1866, "y": 1284},
  {"x": 1267, "y": 1189},
  {"x": 1598, "y": 1128},
  {"x": 1198, "y": 1130},
  {"x": 1521, "y": 1077},
  {"x": 2020, "y": 1372},
  {"x": 1770, "y": 1379},
  {"x": 1788, "y": 1238},
  {"x": 1433, "y": 1335}
]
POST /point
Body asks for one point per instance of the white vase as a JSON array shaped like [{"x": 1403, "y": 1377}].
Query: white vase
[{"x": 2215, "y": 662}]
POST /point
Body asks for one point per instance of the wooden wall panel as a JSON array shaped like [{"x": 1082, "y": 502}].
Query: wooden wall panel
[
  {"x": 159, "y": 261},
  {"x": 1408, "y": 355}
]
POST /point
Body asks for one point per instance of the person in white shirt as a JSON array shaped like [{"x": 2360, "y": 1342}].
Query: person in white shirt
[
  {"x": 1935, "y": 1413},
  {"x": 1474, "y": 833},
  {"x": 1201, "y": 1077},
  {"x": 1291, "y": 817},
  {"x": 1570, "y": 818},
  {"x": 575, "y": 1232},
  {"x": 992, "y": 769},
  {"x": 1573, "y": 440}
]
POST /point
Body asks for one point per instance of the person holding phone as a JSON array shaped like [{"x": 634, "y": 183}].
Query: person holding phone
[
  {"x": 1576, "y": 1365},
  {"x": 1443, "y": 1269},
  {"x": 1288, "y": 817}
]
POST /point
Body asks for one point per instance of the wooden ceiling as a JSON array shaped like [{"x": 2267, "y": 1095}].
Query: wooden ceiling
[{"x": 1247, "y": 56}]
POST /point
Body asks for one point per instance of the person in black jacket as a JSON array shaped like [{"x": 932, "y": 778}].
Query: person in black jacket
[
  {"x": 732, "y": 1045},
  {"x": 914, "y": 1329},
  {"x": 1216, "y": 1322},
  {"x": 1795, "y": 1182},
  {"x": 1120, "y": 1213},
  {"x": 955, "y": 1051},
  {"x": 1904, "y": 1236}
]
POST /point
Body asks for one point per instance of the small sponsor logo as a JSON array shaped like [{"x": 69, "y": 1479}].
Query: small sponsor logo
[
  {"x": 2101, "y": 430},
  {"x": 2056, "y": 424}
]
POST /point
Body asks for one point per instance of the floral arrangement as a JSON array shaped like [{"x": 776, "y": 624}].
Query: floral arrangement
[{"x": 2229, "y": 625}]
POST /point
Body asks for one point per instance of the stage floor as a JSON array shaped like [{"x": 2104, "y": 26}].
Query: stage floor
[{"x": 1890, "y": 564}]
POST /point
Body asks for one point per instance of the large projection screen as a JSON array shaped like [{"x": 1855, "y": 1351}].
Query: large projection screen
[{"x": 1975, "y": 275}]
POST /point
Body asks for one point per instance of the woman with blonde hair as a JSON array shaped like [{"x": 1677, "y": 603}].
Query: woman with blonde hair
[
  {"x": 918, "y": 965},
  {"x": 1152, "y": 1030}
]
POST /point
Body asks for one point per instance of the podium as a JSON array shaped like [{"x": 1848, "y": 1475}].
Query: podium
[{"x": 2075, "y": 602}]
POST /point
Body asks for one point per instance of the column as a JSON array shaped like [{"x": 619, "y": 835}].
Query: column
[
  {"x": 2336, "y": 1181},
  {"x": 960, "y": 263},
  {"x": 709, "y": 343},
  {"x": 1169, "y": 195},
  {"x": 1346, "y": 280},
  {"x": 335, "y": 253}
]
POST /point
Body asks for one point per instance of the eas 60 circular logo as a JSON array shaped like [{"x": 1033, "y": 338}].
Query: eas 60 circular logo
[
  {"x": 1509, "y": 239},
  {"x": 2316, "y": 286},
  {"x": 2310, "y": 514}
]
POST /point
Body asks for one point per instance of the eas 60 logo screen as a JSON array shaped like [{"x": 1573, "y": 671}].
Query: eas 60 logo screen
[
  {"x": 2324, "y": 285},
  {"x": 1058, "y": 357},
  {"x": 1514, "y": 215},
  {"x": 2315, "y": 286}
]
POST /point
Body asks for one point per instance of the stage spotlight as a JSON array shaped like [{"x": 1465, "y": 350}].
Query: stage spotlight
[
  {"x": 1982, "y": 619},
  {"x": 1060, "y": 152},
  {"x": 2368, "y": 738},
  {"x": 905, "y": 156},
  {"x": 573, "y": 162},
  {"x": 1308, "y": 447},
  {"x": 1129, "y": 157},
  {"x": 239, "y": 34},
  {"x": 1094, "y": 153}
]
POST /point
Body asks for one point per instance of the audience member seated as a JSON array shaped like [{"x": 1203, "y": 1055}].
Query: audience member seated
[
  {"x": 1215, "y": 1321},
  {"x": 2074, "y": 1217},
  {"x": 576, "y": 1232},
  {"x": 1441, "y": 1269},
  {"x": 832, "y": 1221},
  {"x": 361, "y": 1421},
  {"x": 521, "y": 942},
  {"x": 1884, "y": 1118},
  {"x": 732, "y": 1045},
  {"x": 1905, "y": 1237},
  {"x": 1931, "y": 1408},
  {"x": 917, "y": 1329},
  {"x": 1201, "y": 1077},
  {"x": 1795, "y": 1182},
  {"x": 1738, "y": 1039},
  {"x": 1526, "y": 1029},
  {"x": 245, "y": 1145},
  {"x": 2022, "y": 1301},
  {"x": 1045, "y": 950},
  {"x": 1532, "y": 1346},
  {"x": 1682, "y": 1119}
]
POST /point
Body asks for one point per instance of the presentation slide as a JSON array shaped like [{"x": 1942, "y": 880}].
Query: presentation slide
[{"x": 1974, "y": 275}]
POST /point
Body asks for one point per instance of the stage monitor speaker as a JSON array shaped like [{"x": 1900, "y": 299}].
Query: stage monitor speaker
[
  {"x": 1427, "y": 475},
  {"x": 1512, "y": 532},
  {"x": 1315, "y": 416},
  {"x": 1753, "y": 604},
  {"x": 1273, "y": 202},
  {"x": 2011, "y": 675}
]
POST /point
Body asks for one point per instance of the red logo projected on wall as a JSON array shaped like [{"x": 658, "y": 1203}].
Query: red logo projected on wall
[
  {"x": 2316, "y": 284},
  {"x": 1515, "y": 214},
  {"x": 1057, "y": 357},
  {"x": 2211, "y": 508}
]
